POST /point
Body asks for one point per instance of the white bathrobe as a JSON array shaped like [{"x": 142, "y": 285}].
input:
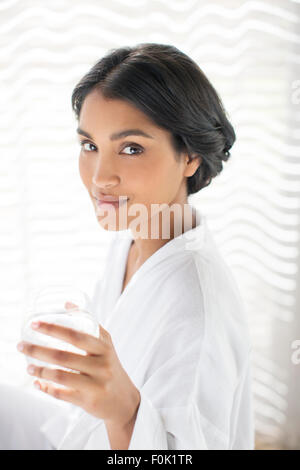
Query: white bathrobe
[{"x": 181, "y": 333}]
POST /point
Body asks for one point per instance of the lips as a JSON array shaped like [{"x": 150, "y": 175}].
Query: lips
[
  {"x": 107, "y": 197},
  {"x": 112, "y": 202}
]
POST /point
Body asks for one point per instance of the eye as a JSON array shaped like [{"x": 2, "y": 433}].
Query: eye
[
  {"x": 87, "y": 142},
  {"x": 135, "y": 147}
]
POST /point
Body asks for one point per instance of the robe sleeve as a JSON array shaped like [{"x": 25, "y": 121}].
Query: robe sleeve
[
  {"x": 187, "y": 427},
  {"x": 149, "y": 430},
  {"x": 182, "y": 428},
  {"x": 188, "y": 403}
]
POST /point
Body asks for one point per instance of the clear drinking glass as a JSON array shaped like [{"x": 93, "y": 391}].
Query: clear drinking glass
[{"x": 48, "y": 306}]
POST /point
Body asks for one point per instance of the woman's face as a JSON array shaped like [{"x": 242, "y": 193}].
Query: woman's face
[{"x": 140, "y": 168}]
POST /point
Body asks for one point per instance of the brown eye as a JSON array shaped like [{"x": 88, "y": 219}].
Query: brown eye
[
  {"x": 86, "y": 142},
  {"x": 136, "y": 148}
]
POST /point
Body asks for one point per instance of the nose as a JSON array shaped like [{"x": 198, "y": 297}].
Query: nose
[{"x": 105, "y": 175}]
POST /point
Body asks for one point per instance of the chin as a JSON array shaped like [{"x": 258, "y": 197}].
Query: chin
[
  {"x": 112, "y": 220},
  {"x": 110, "y": 226}
]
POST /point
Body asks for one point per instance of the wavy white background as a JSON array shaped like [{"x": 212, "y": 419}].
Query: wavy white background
[{"x": 250, "y": 50}]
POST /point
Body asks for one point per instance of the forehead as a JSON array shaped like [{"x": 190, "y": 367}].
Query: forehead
[{"x": 99, "y": 114}]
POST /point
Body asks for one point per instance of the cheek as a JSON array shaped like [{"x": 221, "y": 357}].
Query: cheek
[{"x": 164, "y": 180}]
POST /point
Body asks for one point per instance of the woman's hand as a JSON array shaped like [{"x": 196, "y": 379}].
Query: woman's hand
[{"x": 97, "y": 383}]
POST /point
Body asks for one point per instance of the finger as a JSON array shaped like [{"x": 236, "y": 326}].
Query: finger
[
  {"x": 104, "y": 336},
  {"x": 66, "y": 378},
  {"x": 84, "y": 341},
  {"x": 65, "y": 394},
  {"x": 85, "y": 364}
]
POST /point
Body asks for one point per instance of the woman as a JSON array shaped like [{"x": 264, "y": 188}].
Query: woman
[{"x": 171, "y": 369}]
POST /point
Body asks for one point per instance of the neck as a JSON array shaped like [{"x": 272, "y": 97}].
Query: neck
[{"x": 165, "y": 225}]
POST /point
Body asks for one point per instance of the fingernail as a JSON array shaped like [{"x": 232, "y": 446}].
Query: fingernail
[
  {"x": 37, "y": 385},
  {"x": 35, "y": 325},
  {"x": 30, "y": 369},
  {"x": 20, "y": 346}
]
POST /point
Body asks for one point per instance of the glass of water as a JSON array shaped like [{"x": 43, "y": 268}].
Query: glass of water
[{"x": 49, "y": 306}]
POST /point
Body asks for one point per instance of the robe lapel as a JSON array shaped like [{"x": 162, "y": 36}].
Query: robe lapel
[
  {"x": 136, "y": 317},
  {"x": 191, "y": 240}
]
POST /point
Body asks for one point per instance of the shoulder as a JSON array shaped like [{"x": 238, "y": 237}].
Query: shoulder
[
  {"x": 184, "y": 282},
  {"x": 207, "y": 303}
]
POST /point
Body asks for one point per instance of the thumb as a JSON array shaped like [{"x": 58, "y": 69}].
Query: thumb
[{"x": 69, "y": 305}]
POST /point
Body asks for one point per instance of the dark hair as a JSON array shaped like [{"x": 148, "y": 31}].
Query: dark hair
[{"x": 171, "y": 89}]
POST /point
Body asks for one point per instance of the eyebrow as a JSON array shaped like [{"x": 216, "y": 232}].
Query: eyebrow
[{"x": 118, "y": 135}]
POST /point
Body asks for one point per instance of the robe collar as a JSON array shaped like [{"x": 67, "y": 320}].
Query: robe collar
[{"x": 191, "y": 240}]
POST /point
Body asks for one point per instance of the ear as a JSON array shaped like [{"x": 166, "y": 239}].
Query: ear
[{"x": 192, "y": 164}]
